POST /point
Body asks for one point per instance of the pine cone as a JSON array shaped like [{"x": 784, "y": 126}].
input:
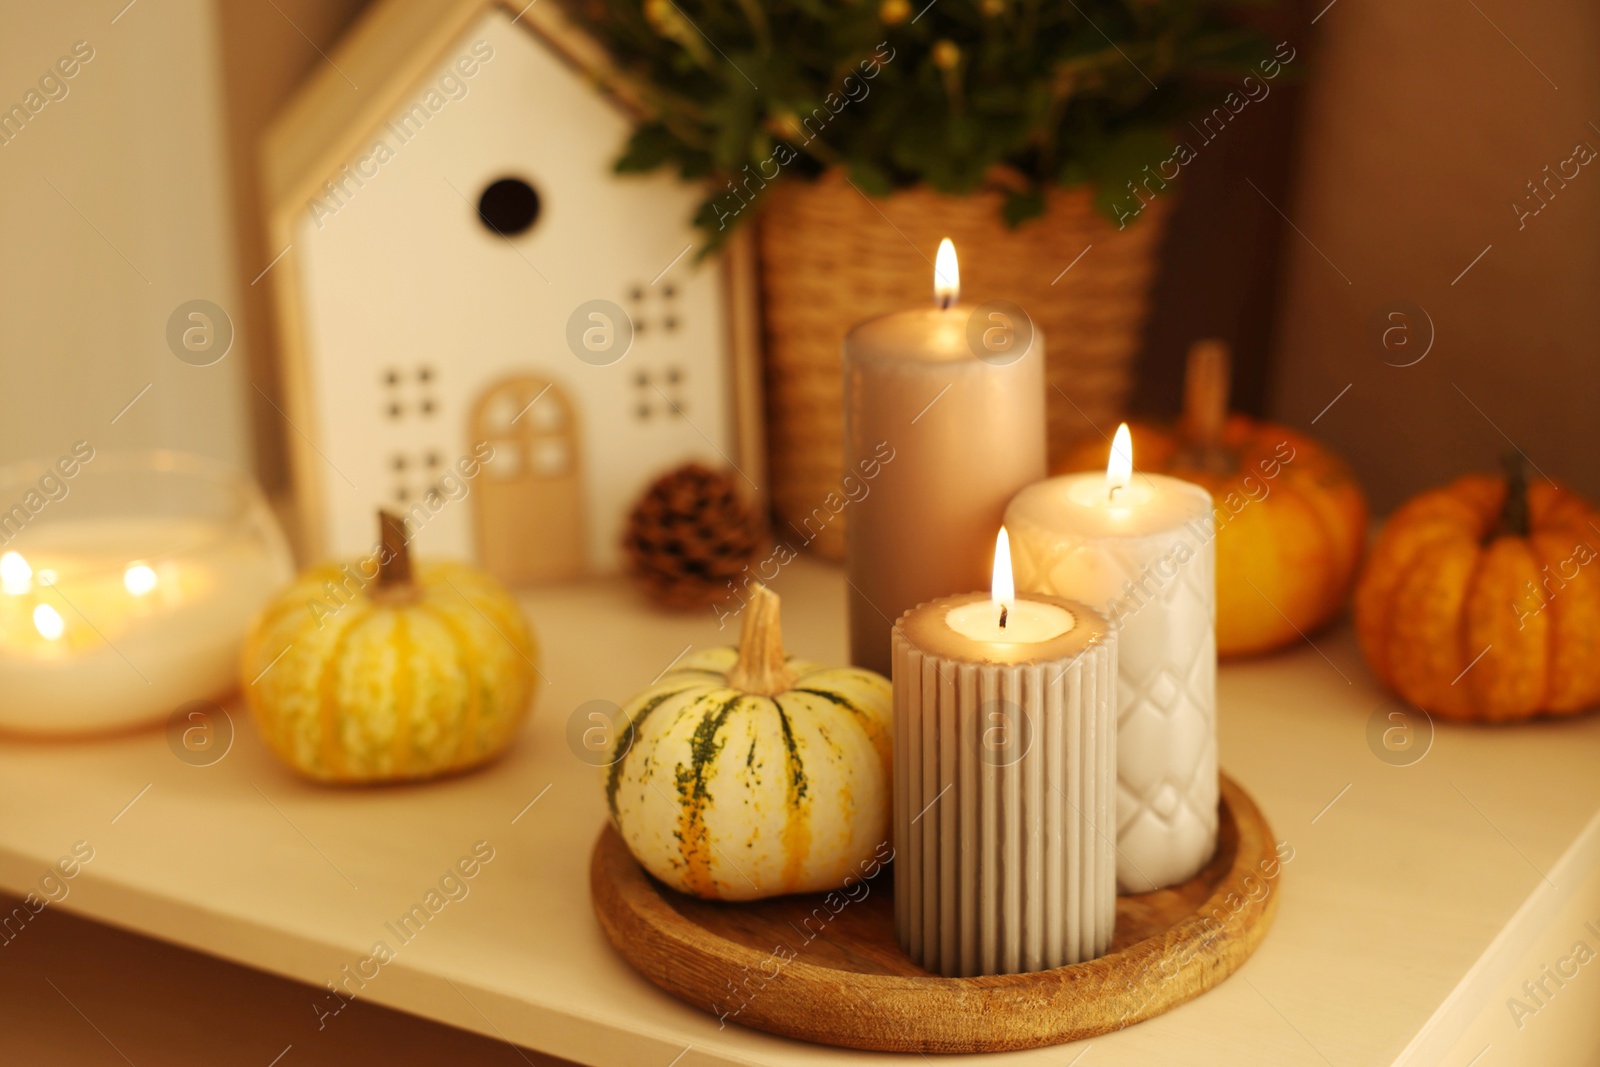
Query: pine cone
[{"x": 690, "y": 534}]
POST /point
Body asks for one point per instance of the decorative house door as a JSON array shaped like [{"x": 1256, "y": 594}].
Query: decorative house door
[{"x": 529, "y": 502}]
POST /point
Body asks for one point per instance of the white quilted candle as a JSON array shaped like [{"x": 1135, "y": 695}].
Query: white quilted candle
[
  {"x": 1140, "y": 549},
  {"x": 1004, "y": 783}
]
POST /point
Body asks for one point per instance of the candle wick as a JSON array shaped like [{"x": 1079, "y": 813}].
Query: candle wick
[
  {"x": 944, "y": 302},
  {"x": 1003, "y": 614}
]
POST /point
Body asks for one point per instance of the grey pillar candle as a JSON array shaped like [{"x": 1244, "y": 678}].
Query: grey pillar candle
[
  {"x": 1004, "y": 789},
  {"x": 944, "y": 414}
]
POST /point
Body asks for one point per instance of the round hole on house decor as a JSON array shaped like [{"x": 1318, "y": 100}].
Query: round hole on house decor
[{"x": 508, "y": 206}]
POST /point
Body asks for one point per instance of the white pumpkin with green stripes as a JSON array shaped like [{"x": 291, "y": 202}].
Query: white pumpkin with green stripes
[{"x": 743, "y": 774}]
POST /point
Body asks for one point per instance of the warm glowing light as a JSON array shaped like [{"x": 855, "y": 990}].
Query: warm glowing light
[
  {"x": 46, "y": 576},
  {"x": 139, "y": 579},
  {"x": 1003, "y": 588},
  {"x": 16, "y": 577},
  {"x": 1004, "y": 618},
  {"x": 47, "y": 620},
  {"x": 1119, "y": 467},
  {"x": 946, "y": 275}
]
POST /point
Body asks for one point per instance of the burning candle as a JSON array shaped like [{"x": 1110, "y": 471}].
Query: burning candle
[
  {"x": 1140, "y": 548},
  {"x": 944, "y": 421},
  {"x": 1004, "y": 781},
  {"x": 130, "y": 596}
]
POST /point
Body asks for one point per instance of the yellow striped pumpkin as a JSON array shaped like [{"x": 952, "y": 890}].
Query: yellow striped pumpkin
[
  {"x": 743, "y": 774},
  {"x": 389, "y": 679}
]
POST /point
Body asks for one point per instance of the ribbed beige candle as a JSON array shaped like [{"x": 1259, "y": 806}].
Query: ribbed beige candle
[{"x": 1004, "y": 791}]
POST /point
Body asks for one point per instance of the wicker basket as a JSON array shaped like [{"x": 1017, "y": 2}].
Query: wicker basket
[{"x": 830, "y": 258}]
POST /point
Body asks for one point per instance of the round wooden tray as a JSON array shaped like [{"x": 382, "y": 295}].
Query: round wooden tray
[{"x": 826, "y": 968}]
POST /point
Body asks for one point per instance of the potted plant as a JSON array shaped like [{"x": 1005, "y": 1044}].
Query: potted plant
[{"x": 1039, "y": 135}]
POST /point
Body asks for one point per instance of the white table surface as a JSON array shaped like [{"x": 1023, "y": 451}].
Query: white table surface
[{"x": 1409, "y": 900}]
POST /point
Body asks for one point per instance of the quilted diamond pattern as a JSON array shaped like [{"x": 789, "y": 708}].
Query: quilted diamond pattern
[{"x": 1159, "y": 591}]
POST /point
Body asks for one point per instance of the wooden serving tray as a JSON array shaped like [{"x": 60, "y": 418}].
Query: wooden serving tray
[{"x": 830, "y": 971}]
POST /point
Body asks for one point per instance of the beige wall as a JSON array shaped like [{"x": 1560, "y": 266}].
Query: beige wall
[
  {"x": 155, "y": 145},
  {"x": 1423, "y": 125},
  {"x": 113, "y": 211},
  {"x": 267, "y": 50}
]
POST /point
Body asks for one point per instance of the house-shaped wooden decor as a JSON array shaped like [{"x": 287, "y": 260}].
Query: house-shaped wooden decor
[{"x": 484, "y": 328}]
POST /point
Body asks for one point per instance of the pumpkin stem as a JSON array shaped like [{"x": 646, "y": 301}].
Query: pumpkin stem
[
  {"x": 1205, "y": 399},
  {"x": 394, "y": 556},
  {"x": 761, "y": 669},
  {"x": 1514, "y": 512}
]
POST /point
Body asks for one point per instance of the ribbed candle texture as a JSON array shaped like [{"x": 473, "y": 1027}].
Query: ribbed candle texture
[{"x": 1004, "y": 796}]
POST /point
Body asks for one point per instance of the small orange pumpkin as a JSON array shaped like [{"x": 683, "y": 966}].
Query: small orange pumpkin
[
  {"x": 1481, "y": 600},
  {"x": 1291, "y": 519}
]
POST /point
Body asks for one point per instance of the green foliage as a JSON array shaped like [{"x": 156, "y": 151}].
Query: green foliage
[{"x": 904, "y": 92}]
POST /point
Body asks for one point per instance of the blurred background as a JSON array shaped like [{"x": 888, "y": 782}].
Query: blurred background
[{"x": 1387, "y": 177}]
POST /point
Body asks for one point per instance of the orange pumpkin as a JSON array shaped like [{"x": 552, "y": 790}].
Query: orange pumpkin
[
  {"x": 1291, "y": 519},
  {"x": 1481, "y": 601}
]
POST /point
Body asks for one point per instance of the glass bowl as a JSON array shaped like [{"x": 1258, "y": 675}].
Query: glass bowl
[{"x": 127, "y": 583}]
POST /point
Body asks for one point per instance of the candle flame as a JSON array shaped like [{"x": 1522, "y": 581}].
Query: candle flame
[
  {"x": 139, "y": 579},
  {"x": 1003, "y": 588},
  {"x": 16, "y": 577},
  {"x": 1119, "y": 466},
  {"x": 946, "y": 275},
  {"x": 47, "y": 620}
]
